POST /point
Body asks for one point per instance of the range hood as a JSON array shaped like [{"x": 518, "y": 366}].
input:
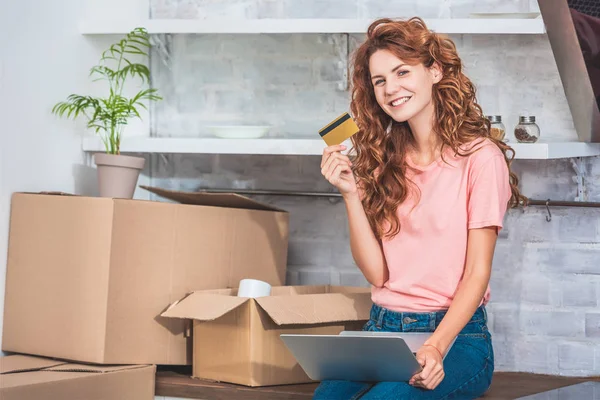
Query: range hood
[{"x": 570, "y": 31}]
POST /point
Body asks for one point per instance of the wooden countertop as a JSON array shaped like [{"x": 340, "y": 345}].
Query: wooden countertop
[{"x": 176, "y": 382}]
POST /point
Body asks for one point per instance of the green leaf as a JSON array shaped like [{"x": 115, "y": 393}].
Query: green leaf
[
  {"x": 141, "y": 41},
  {"x": 134, "y": 50},
  {"x": 109, "y": 115}
]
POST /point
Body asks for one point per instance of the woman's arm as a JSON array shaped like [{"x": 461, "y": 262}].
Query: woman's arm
[
  {"x": 489, "y": 194},
  {"x": 366, "y": 249},
  {"x": 481, "y": 243},
  {"x": 480, "y": 252}
]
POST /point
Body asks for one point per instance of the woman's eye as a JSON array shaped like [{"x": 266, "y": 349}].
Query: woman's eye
[
  {"x": 402, "y": 73},
  {"x": 378, "y": 82}
]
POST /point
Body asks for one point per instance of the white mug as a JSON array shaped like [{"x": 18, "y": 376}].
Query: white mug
[{"x": 253, "y": 288}]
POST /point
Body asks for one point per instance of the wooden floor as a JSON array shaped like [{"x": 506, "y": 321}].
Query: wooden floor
[{"x": 505, "y": 386}]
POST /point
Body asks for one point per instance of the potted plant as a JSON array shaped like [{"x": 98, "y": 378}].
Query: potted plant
[{"x": 117, "y": 174}]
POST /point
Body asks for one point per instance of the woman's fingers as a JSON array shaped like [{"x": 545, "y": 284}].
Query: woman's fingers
[
  {"x": 428, "y": 368},
  {"x": 330, "y": 150},
  {"x": 335, "y": 172},
  {"x": 439, "y": 380},
  {"x": 333, "y": 160},
  {"x": 328, "y": 163},
  {"x": 334, "y": 148},
  {"x": 434, "y": 379}
]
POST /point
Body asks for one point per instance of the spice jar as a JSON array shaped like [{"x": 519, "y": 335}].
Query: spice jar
[
  {"x": 527, "y": 131},
  {"x": 497, "y": 129}
]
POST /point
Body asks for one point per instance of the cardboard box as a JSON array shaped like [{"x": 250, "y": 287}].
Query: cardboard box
[
  {"x": 34, "y": 378},
  {"x": 237, "y": 339},
  {"x": 87, "y": 278}
]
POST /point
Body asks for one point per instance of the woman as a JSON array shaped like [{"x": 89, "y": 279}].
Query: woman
[{"x": 425, "y": 195}]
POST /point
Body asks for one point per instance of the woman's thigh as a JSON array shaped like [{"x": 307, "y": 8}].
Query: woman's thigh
[{"x": 468, "y": 371}]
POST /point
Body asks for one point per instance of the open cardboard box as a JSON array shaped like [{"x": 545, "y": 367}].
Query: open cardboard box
[
  {"x": 237, "y": 339},
  {"x": 87, "y": 278},
  {"x": 33, "y": 378}
]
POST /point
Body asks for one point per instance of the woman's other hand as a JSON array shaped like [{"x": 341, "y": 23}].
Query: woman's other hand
[
  {"x": 336, "y": 168},
  {"x": 433, "y": 368}
]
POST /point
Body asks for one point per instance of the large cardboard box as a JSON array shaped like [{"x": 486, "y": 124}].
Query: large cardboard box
[
  {"x": 237, "y": 339},
  {"x": 34, "y": 378},
  {"x": 87, "y": 278}
]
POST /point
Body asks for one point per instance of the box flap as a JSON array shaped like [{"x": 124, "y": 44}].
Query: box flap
[
  {"x": 49, "y": 193},
  {"x": 20, "y": 363},
  {"x": 54, "y": 193},
  {"x": 317, "y": 308},
  {"x": 204, "y": 306},
  {"x": 100, "y": 369},
  {"x": 227, "y": 200}
]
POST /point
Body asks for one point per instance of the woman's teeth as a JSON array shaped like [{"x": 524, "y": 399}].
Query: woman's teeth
[{"x": 399, "y": 101}]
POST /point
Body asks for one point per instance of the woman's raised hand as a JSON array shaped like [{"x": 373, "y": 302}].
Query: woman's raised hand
[{"x": 336, "y": 168}]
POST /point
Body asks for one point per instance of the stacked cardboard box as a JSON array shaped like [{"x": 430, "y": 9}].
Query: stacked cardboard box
[
  {"x": 91, "y": 281},
  {"x": 88, "y": 278},
  {"x": 34, "y": 378}
]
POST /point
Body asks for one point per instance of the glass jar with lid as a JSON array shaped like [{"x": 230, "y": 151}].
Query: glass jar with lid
[
  {"x": 497, "y": 129},
  {"x": 527, "y": 131}
]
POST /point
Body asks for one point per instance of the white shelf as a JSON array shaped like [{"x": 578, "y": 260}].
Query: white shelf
[
  {"x": 212, "y": 146},
  {"x": 239, "y": 26},
  {"x": 534, "y": 151},
  {"x": 545, "y": 151}
]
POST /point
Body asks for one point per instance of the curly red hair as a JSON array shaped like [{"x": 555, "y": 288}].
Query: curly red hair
[{"x": 459, "y": 119}]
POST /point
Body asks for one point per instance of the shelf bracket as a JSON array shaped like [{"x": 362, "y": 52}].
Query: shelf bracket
[{"x": 580, "y": 178}]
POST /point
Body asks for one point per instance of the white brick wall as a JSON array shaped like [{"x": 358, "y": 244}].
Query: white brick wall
[{"x": 546, "y": 275}]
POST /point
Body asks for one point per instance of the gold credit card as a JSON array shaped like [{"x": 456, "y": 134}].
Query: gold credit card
[{"x": 339, "y": 130}]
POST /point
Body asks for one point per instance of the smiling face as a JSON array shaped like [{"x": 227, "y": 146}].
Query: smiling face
[{"x": 403, "y": 91}]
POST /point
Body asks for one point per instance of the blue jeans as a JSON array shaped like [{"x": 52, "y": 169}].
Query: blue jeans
[{"x": 468, "y": 366}]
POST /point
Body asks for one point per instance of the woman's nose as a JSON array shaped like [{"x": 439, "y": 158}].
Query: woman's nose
[{"x": 392, "y": 87}]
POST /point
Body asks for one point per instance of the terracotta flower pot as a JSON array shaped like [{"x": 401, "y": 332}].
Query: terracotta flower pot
[{"x": 118, "y": 174}]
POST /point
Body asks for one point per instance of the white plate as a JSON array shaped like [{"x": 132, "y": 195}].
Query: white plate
[
  {"x": 239, "y": 131},
  {"x": 531, "y": 15}
]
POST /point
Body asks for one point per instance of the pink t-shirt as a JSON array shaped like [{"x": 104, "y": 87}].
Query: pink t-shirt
[{"x": 426, "y": 259}]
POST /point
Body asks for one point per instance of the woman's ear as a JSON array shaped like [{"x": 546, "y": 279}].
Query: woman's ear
[{"x": 436, "y": 72}]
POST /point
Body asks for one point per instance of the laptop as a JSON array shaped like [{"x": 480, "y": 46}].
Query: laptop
[{"x": 358, "y": 355}]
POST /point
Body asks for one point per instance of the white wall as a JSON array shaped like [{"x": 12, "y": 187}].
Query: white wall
[{"x": 43, "y": 59}]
